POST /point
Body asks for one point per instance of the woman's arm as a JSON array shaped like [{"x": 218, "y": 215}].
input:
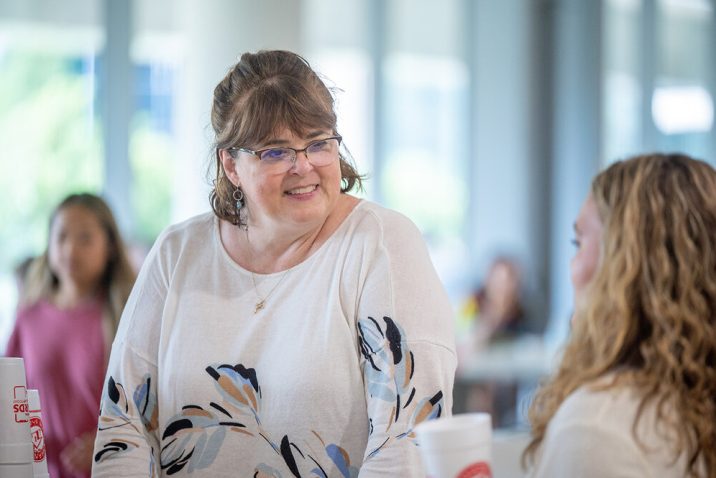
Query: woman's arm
[
  {"x": 127, "y": 442},
  {"x": 406, "y": 338}
]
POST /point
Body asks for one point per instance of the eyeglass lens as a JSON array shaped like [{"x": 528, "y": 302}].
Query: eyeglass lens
[{"x": 319, "y": 153}]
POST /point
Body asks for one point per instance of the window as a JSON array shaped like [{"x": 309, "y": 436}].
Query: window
[{"x": 49, "y": 137}]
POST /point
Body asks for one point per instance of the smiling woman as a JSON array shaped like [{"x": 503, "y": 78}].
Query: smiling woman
[{"x": 257, "y": 335}]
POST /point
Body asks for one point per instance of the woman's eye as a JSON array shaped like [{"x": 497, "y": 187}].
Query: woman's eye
[
  {"x": 317, "y": 146},
  {"x": 575, "y": 243},
  {"x": 275, "y": 154}
]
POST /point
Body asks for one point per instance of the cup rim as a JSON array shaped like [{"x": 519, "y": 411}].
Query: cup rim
[{"x": 458, "y": 431}]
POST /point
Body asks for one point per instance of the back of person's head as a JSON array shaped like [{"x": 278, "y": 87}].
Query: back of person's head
[
  {"x": 118, "y": 276},
  {"x": 649, "y": 309},
  {"x": 264, "y": 93}
]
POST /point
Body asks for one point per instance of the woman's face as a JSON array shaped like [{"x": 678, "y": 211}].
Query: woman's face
[
  {"x": 301, "y": 197},
  {"x": 78, "y": 248},
  {"x": 588, "y": 237}
]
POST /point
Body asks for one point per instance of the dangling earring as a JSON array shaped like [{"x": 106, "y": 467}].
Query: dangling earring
[
  {"x": 238, "y": 196},
  {"x": 241, "y": 221}
]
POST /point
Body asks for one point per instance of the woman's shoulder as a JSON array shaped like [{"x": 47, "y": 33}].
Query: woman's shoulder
[
  {"x": 204, "y": 221},
  {"x": 194, "y": 230},
  {"x": 370, "y": 216},
  {"x": 191, "y": 238},
  {"x": 618, "y": 408},
  {"x": 613, "y": 416},
  {"x": 600, "y": 401}
]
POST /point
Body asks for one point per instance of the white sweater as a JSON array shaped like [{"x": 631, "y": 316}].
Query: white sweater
[
  {"x": 591, "y": 436},
  {"x": 354, "y": 347}
]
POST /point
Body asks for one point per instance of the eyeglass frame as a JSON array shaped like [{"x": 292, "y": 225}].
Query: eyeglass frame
[{"x": 259, "y": 152}]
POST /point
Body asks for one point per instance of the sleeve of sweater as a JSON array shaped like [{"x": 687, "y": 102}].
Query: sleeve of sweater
[
  {"x": 127, "y": 442},
  {"x": 405, "y": 330}
]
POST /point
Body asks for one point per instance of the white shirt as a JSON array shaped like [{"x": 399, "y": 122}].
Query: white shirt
[
  {"x": 354, "y": 347},
  {"x": 591, "y": 436}
]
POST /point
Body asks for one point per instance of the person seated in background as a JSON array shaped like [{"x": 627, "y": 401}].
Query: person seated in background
[
  {"x": 498, "y": 309},
  {"x": 635, "y": 393},
  {"x": 70, "y": 305},
  {"x": 496, "y": 315}
]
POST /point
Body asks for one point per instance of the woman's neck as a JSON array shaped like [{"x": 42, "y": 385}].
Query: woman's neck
[
  {"x": 267, "y": 253},
  {"x": 266, "y": 250}
]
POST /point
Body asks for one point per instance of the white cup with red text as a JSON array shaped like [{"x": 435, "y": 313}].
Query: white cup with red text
[
  {"x": 15, "y": 441},
  {"x": 457, "y": 447},
  {"x": 37, "y": 433}
]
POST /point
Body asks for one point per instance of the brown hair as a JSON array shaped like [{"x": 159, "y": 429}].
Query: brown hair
[
  {"x": 118, "y": 278},
  {"x": 262, "y": 93},
  {"x": 649, "y": 312}
]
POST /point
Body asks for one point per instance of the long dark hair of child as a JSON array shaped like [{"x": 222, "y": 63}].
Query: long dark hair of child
[{"x": 119, "y": 275}]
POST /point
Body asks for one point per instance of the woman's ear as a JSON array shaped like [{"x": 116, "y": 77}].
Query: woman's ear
[{"x": 228, "y": 162}]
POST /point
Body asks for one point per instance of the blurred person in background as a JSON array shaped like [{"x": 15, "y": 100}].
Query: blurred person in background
[
  {"x": 496, "y": 310},
  {"x": 635, "y": 394},
  {"x": 295, "y": 331},
  {"x": 496, "y": 315},
  {"x": 70, "y": 307}
]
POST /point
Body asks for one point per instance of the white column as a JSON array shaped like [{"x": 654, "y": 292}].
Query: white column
[
  {"x": 576, "y": 140},
  {"x": 510, "y": 162},
  {"x": 117, "y": 107}
]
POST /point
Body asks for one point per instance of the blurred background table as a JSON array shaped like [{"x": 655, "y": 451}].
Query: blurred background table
[{"x": 517, "y": 364}]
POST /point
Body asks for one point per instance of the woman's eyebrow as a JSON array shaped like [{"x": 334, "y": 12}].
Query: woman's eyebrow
[
  {"x": 315, "y": 134},
  {"x": 283, "y": 141}
]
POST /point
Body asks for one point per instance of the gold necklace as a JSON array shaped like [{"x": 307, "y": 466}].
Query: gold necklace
[{"x": 261, "y": 303}]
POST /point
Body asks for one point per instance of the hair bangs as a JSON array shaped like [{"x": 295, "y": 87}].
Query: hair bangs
[{"x": 282, "y": 104}]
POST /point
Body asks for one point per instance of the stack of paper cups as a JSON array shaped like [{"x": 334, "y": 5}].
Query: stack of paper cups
[
  {"x": 457, "y": 447},
  {"x": 15, "y": 442},
  {"x": 38, "y": 435}
]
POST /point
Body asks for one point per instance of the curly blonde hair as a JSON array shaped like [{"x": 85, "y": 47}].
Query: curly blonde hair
[{"x": 651, "y": 304}]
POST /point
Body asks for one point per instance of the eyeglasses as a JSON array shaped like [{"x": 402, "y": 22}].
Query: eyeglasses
[{"x": 320, "y": 152}]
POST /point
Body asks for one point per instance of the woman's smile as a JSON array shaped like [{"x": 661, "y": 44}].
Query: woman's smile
[{"x": 302, "y": 192}]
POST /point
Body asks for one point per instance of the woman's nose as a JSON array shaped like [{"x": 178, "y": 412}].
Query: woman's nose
[{"x": 301, "y": 164}]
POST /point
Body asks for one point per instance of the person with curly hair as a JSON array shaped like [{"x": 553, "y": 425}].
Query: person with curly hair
[{"x": 635, "y": 393}]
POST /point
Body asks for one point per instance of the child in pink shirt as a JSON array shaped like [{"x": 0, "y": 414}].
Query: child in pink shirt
[{"x": 66, "y": 321}]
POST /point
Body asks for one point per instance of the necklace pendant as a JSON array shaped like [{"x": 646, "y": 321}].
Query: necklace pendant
[{"x": 259, "y": 305}]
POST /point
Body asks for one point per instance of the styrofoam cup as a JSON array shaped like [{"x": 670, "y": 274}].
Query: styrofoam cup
[
  {"x": 15, "y": 442},
  {"x": 37, "y": 433},
  {"x": 457, "y": 447},
  {"x": 16, "y": 470}
]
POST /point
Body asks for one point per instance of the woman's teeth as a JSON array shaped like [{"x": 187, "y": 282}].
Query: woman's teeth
[{"x": 304, "y": 190}]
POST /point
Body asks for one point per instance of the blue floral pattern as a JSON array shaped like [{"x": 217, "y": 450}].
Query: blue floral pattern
[
  {"x": 192, "y": 439},
  {"x": 116, "y": 406},
  {"x": 388, "y": 370}
]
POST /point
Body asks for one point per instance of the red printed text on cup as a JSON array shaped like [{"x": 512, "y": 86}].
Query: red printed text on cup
[
  {"x": 476, "y": 470},
  {"x": 19, "y": 404}
]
